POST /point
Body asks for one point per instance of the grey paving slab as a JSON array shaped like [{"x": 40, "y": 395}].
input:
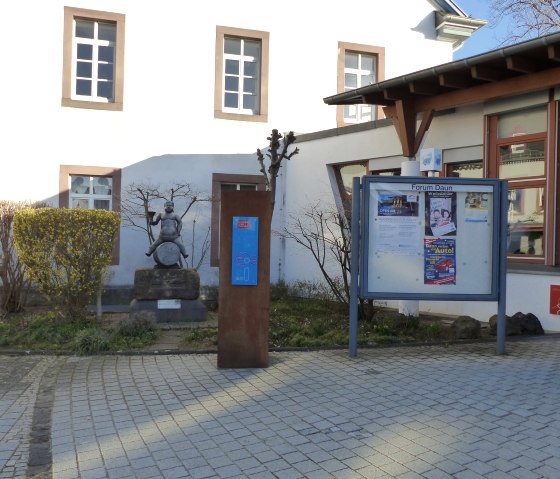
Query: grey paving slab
[
  {"x": 20, "y": 378},
  {"x": 460, "y": 411}
]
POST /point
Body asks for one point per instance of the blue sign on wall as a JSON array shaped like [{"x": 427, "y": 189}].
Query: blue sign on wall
[{"x": 245, "y": 250}]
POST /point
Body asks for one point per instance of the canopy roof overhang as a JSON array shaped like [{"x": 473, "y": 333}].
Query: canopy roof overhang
[{"x": 525, "y": 67}]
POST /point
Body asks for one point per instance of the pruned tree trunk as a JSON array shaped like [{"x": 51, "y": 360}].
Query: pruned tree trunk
[{"x": 277, "y": 151}]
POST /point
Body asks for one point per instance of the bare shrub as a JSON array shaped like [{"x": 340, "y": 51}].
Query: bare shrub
[
  {"x": 15, "y": 286},
  {"x": 326, "y": 235}
]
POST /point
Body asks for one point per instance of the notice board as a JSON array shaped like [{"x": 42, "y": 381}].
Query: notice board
[{"x": 430, "y": 238}]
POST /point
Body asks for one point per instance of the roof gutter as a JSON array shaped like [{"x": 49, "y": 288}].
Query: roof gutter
[{"x": 449, "y": 6}]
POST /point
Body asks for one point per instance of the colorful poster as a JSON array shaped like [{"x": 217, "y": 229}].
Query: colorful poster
[
  {"x": 397, "y": 203},
  {"x": 439, "y": 261},
  {"x": 396, "y": 222},
  {"x": 476, "y": 207},
  {"x": 441, "y": 211}
]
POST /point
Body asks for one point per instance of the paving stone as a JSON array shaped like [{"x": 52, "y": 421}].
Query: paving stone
[{"x": 460, "y": 412}]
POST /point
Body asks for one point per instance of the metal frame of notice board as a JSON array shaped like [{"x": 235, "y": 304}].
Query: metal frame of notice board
[{"x": 429, "y": 238}]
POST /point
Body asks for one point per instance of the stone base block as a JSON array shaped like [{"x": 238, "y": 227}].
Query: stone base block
[
  {"x": 169, "y": 310},
  {"x": 155, "y": 283}
]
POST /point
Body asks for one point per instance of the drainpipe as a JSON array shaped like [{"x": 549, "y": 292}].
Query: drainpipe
[
  {"x": 411, "y": 167},
  {"x": 281, "y": 221}
]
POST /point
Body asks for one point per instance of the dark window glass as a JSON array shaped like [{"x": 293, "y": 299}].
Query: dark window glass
[
  {"x": 249, "y": 102},
  {"x": 83, "y": 69},
  {"x": 105, "y": 89},
  {"x": 105, "y": 71},
  {"x": 232, "y": 46},
  {"x": 232, "y": 83},
  {"x": 107, "y": 32},
  {"x": 83, "y": 87},
  {"x": 85, "y": 52},
  {"x": 106, "y": 54},
  {"x": 230, "y": 100},
  {"x": 84, "y": 29},
  {"x": 232, "y": 67}
]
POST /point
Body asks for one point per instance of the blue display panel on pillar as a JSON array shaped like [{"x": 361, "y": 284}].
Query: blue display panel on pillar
[{"x": 245, "y": 250}]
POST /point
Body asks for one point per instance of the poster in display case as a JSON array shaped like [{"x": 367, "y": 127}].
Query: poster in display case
[{"x": 430, "y": 238}]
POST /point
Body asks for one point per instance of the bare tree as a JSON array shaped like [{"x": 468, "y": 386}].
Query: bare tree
[
  {"x": 525, "y": 18},
  {"x": 277, "y": 151},
  {"x": 139, "y": 202},
  {"x": 326, "y": 235}
]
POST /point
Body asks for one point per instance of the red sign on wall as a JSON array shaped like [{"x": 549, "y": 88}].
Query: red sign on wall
[{"x": 555, "y": 299}]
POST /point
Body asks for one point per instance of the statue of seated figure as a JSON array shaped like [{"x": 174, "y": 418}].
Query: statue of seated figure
[{"x": 170, "y": 230}]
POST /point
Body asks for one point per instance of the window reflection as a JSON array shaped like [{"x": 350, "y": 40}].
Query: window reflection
[
  {"x": 88, "y": 192},
  {"x": 102, "y": 185},
  {"x": 80, "y": 184},
  {"x": 526, "y": 221},
  {"x": 347, "y": 174},
  {"x": 524, "y": 122},
  {"x": 522, "y": 160},
  {"x": 80, "y": 203},
  {"x": 471, "y": 169},
  {"x": 101, "y": 204}
]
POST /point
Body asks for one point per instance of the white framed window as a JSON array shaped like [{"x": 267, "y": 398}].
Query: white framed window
[
  {"x": 91, "y": 187},
  {"x": 358, "y": 66},
  {"x": 359, "y": 71},
  {"x": 241, "y": 88},
  {"x": 93, "y": 60},
  {"x": 242, "y": 75},
  {"x": 91, "y": 192}
]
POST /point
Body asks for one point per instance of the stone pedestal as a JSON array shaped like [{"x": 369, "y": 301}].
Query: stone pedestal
[{"x": 167, "y": 295}]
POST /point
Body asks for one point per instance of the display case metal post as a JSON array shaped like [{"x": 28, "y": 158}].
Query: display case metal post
[
  {"x": 501, "y": 320},
  {"x": 354, "y": 266}
]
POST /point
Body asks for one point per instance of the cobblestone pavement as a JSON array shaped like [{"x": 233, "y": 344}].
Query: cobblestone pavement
[
  {"x": 438, "y": 412},
  {"x": 20, "y": 377}
]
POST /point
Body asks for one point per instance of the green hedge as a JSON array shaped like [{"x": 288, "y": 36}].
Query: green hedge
[{"x": 66, "y": 252}]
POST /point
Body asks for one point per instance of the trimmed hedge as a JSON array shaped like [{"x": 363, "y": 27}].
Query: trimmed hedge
[{"x": 67, "y": 252}]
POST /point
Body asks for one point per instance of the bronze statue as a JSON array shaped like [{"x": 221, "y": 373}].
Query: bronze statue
[{"x": 170, "y": 230}]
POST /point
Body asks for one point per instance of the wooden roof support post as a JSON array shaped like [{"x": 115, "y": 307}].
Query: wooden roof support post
[
  {"x": 427, "y": 118},
  {"x": 403, "y": 115},
  {"x": 405, "y": 123}
]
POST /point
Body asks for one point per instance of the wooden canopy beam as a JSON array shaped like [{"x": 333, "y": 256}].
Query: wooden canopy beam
[
  {"x": 453, "y": 80},
  {"x": 404, "y": 115},
  {"x": 424, "y": 88},
  {"x": 491, "y": 91},
  {"x": 482, "y": 72},
  {"x": 554, "y": 53},
  {"x": 422, "y": 129},
  {"x": 520, "y": 64}
]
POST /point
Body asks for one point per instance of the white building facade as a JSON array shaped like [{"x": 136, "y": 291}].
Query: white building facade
[
  {"x": 104, "y": 95},
  {"x": 493, "y": 118},
  {"x": 128, "y": 92}
]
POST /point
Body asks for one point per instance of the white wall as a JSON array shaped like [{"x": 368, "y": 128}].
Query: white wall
[
  {"x": 167, "y": 129},
  {"x": 461, "y": 133}
]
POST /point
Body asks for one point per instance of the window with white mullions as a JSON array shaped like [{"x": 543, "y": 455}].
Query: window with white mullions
[
  {"x": 94, "y": 60},
  {"x": 359, "y": 70},
  {"x": 241, "y": 75},
  {"x": 91, "y": 192}
]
